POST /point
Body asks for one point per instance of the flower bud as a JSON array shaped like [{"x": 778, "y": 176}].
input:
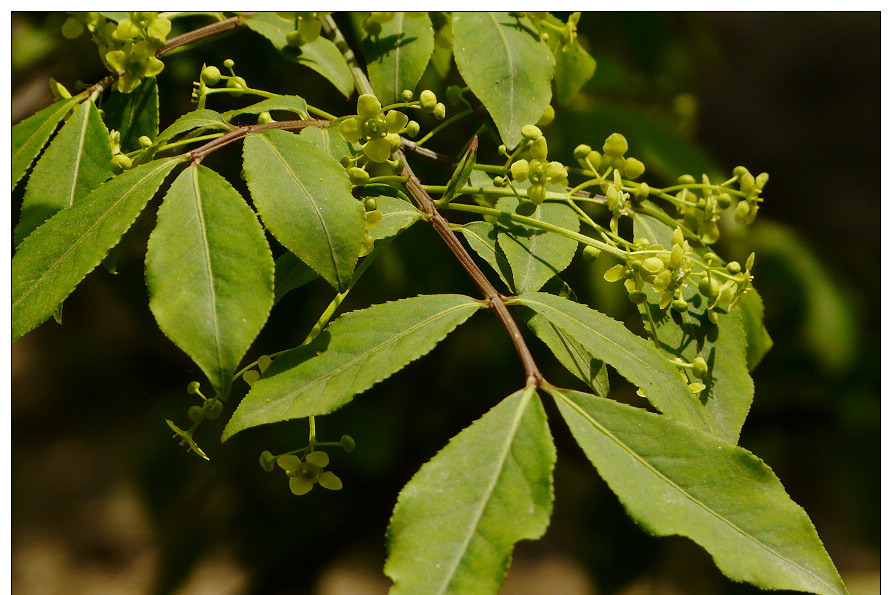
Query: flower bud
[
  {"x": 237, "y": 82},
  {"x": 747, "y": 183},
  {"x": 733, "y": 267},
  {"x": 615, "y": 273},
  {"x": 120, "y": 162},
  {"x": 761, "y": 180},
  {"x": 428, "y": 100},
  {"x": 265, "y": 118},
  {"x": 633, "y": 168},
  {"x": 267, "y": 461},
  {"x": 215, "y": 410},
  {"x": 750, "y": 261},
  {"x": 370, "y": 204},
  {"x": 740, "y": 171},
  {"x": 616, "y": 145},
  {"x": 700, "y": 368},
  {"x": 195, "y": 413},
  {"x": 724, "y": 200},
  {"x": 228, "y": 63},
  {"x": 686, "y": 179},
  {"x": 539, "y": 149},
  {"x": 547, "y": 116},
  {"x": 581, "y": 152},
  {"x": 679, "y": 305},
  {"x": 210, "y": 75},
  {"x": 741, "y": 212},
  {"x": 652, "y": 265},
  {"x": 358, "y": 176},
  {"x": 144, "y": 141},
  {"x": 347, "y": 443},
  {"x": 520, "y": 170},
  {"x": 530, "y": 132},
  {"x": 192, "y": 387},
  {"x": 590, "y": 253},
  {"x": 536, "y": 194},
  {"x": 637, "y": 297}
]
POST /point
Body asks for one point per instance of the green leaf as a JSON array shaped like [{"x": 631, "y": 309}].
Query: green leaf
[
  {"x": 457, "y": 520},
  {"x": 758, "y": 341},
  {"x": 462, "y": 172},
  {"x": 202, "y": 118},
  {"x": 396, "y": 216},
  {"x": 209, "y": 271},
  {"x": 506, "y": 66},
  {"x": 397, "y": 57},
  {"x": 537, "y": 255},
  {"x": 303, "y": 196},
  {"x": 282, "y": 103},
  {"x": 30, "y": 135},
  {"x": 829, "y": 327},
  {"x": 570, "y": 353},
  {"x": 482, "y": 237},
  {"x": 291, "y": 273},
  {"x": 58, "y": 255},
  {"x": 675, "y": 480},
  {"x": 573, "y": 68},
  {"x": 329, "y": 140},
  {"x": 76, "y": 161},
  {"x": 633, "y": 357},
  {"x": 729, "y": 388},
  {"x": 321, "y": 55},
  {"x": 355, "y": 352},
  {"x": 134, "y": 114}
]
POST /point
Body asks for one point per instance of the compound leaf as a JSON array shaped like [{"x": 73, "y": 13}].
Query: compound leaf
[
  {"x": 76, "y": 161},
  {"x": 356, "y": 351},
  {"x": 632, "y": 356},
  {"x": 457, "y": 520},
  {"x": 676, "y": 480},
  {"x": 507, "y": 66},
  {"x": 397, "y": 56},
  {"x": 729, "y": 388},
  {"x": 209, "y": 271},
  {"x": 58, "y": 255},
  {"x": 303, "y": 196},
  {"x": 537, "y": 255},
  {"x": 30, "y": 135}
]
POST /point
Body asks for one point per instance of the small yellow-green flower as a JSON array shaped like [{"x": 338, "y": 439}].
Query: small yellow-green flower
[
  {"x": 304, "y": 474},
  {"x": 539, "y": 171},
  {"x": 137, "y": 60},
  {"x": 378, "y": 132}
]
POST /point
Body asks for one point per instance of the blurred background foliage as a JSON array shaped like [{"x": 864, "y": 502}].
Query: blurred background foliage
[{"x": 104, "y": 501}]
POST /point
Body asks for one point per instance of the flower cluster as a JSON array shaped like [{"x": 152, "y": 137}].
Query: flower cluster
[
  {"x": 305, "y": 471},
  {"x": 538, "y": 170},
  {"x": 379, "y": 133},
  {"x": 128, "y": 46}
]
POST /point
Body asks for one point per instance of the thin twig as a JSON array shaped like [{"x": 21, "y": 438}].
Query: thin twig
[
  {"x": 241, "y": 131},
  {"x": 202, "y": 32}
]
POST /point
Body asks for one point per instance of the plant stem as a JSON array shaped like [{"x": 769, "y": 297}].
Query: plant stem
[
  {"x": 444, "y": 124},
  {"x": 203, "y": 32},
  {"x": 496, "y": 302},
  {"x": 242, "y": 131}
]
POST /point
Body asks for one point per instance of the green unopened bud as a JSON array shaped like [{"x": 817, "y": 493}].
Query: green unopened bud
[
  {"x": 215, "y": 410},
  {"x": 358, "y": 176},
  {"x": 237, "y": 82},
  {"x": 741, "y": 212},
  {"x": 547, "y": 117},
  {"x": 733, "y": 267},
  {"x": 616, "y": 145},
  {"x": 520, "y": 170},
  {"x": 590, "y": 253},
  {"x": 633, "y": 168},
  {"x": 210, "y": 75},
  {"x": 724, "y": 200},
  {"x": 371, "y": 26},
  {"x": 228, "y": 63},
  {"x": 740, "y": 171},
  {"x": 144, "y": 141},
  {"x": 370, "y": 204},
  {"x": 192, "y": 387},
  {"x": 439, "y": 111},
  {"x": 677, "y": 256},
  {"x": 761, "y": 180},
  {"x": 539, "y": 148},
  {"x": 267, "y": 461},
  {"x": 120, "y": 163},
  {"x": 700, "y": 369},
  {"x": 412, "y": 129},
  {"x": 679, "y": 305},
  {"x": 747, "y": 183},
  {"x": 530, "y": 132},
  {"x": 536, "y": 194},
  {"x": 615, "y": 273},
  {"x": 195, "y": 413},
  {"x": 347, "y": 443},
  {"x": 265, "y": 118},
  {"x": 750, "y": 261},
  {"x": 581, "y": 152},
  {"x": 686, "y": 179},
  {"x": 637, "y": 297},
  {"x": 705, "y": 286},
  {"x": 72, "y": 28},
  {"x": 677, "y": 237},
  {"x": 428, "y": 100},
  {"x": 652, "y": 265}
]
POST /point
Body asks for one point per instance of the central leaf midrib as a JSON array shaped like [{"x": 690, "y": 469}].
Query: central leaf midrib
[
  {"x": 686, "y": 494},
  {"x": 310, "y": 199},
  {"x": 84, "y": 235},
  {"x": 510, "y": 79},
  {"x": 490, "y": 488},
  {"x": 209, "y": 272},
  {"x": 699, "y": 415},
  {"x": 364, "y": 355},
  {"x": 78, "y": 156}
]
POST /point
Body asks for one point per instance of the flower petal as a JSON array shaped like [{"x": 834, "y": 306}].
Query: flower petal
[
  {"x": 330, "y": 481},
  {"x": 299, "y": 486},
  {"x": 288, "y": 462},
  {"x": 350, "y": 129},
  {"x": 318, "y": 458},
  {"x": 377, "y": 150},
  {"x": 396, "y": 121}
]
